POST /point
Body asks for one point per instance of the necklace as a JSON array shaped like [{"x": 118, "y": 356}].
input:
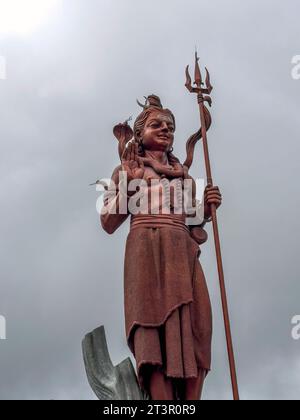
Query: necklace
[{"x": 172, "y": 170}]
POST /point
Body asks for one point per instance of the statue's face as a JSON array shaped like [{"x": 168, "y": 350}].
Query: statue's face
[{"x": 158, "y": 133}]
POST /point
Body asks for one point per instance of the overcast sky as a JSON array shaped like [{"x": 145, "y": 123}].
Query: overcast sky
[{"x": 68, "y": 82}]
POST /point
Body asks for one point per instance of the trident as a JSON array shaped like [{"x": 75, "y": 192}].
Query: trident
[{"x": 200, "y": 90}]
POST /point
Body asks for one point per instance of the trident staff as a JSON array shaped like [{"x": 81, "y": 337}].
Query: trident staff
[{"x": 201, "y": 91}]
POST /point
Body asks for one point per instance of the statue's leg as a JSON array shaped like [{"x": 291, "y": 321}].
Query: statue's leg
[
  {"x": 194, "y": 386},
  {"x": 161, "y": 388}
]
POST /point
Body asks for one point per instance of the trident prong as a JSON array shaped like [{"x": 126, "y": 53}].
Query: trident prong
[
  {"x": 199, "y": 89},
  {"x": 188, "y": 83},
  {"x": 198, "y": 77}
]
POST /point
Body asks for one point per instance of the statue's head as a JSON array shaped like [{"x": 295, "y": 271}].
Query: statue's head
[{"x": 154, "y": 128}]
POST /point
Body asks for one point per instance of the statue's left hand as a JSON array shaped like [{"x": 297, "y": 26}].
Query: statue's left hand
[{"x": 212, "y": 195}]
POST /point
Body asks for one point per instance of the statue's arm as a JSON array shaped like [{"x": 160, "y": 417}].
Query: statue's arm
[
  {"x": 202, "y": 214},
  {"x": 115, "y": 204}
]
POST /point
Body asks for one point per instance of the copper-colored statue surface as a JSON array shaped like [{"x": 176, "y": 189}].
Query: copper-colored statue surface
[{"x": 167, "y": 306}]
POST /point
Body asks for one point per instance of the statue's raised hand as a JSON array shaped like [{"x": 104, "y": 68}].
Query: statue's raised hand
[{"x": 132, "y": 163}]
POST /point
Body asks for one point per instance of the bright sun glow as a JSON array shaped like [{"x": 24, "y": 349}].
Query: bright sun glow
[{"x": 24, "y": 16}]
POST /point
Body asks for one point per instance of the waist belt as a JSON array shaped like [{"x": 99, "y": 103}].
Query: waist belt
[{"x": 159, "y": 221}]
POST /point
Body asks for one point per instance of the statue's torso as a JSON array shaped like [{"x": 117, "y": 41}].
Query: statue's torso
[{"x": 161, "y": 195}]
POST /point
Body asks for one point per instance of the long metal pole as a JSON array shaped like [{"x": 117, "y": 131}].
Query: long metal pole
[{"x": 219, "y": 257}]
